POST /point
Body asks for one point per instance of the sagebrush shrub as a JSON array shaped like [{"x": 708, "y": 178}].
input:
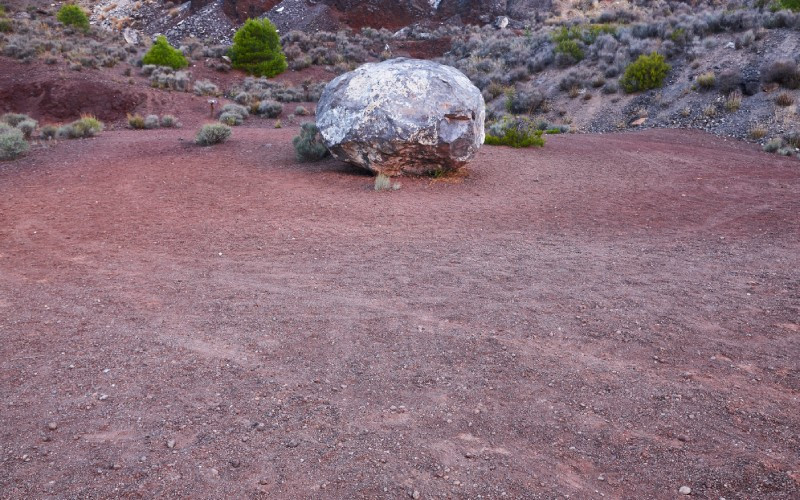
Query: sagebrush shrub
[
  {"x": 729, "y": 80},
  {"x": 257, "y": 49},
  {"x": 235, "y": 109},
  {"x": 784, "y": 72},
  {"x": 773, "y": 145},
  {"x": 72, "y": 15},
  {"x": 12, "y": 143},
  {"x": 169, "y": 121},
  {"x": 205, "y": 87},
  {"x": 48, "y": 132},
  {"x": 647, "y": 72},
  {"x": 13, "y": 119},
  {"x": 212, "y": 133},
  {"x": 164, "y": 54},
  {"x": 27, "y": 127},
  {"x": 270, "y": 109},
  {"x": 151, "y": 122},
  {"x": 231, "y": 119},
  {"x": 308, "y": 146},
  {"x": 86, "y": 126}
]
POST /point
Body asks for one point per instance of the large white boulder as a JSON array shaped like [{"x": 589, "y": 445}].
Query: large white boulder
[{"x": 402, "y": 116}]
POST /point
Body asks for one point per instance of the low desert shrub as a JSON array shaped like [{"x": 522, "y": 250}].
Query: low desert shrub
[
  {"x": 135, "y": 121},
  {"x": 27, "y": 127},
  {"x": 729, "y": 80},
  {"x": 151, "y": 122},
  {"x": 86, "y": 126},
  {"x": 384, "y": 183},
  {"x": 308, "y": 146},
  {"x": 784, "y": 72},
  {"x": 301, "y": 111},
  {"x": 72, "y": 15},
  {"x": 706, "y": 80},
  {"x": 13, "y": 119},
  {"x": 733, "y": 101},
  {"x": 169, "y": 121},
  {"x": 514, "y": 132},
  {"x": 525, "y": 99},
  {"x": 12, "y": 143},
  {"x": 784, "y": 99},
  {"x": 757, "y": 131},
  {"x": 164, "y": 54},
  {"x": 773, "y": 145},
  {"x": 270, "y": 109},
  {"x": 235, "y": 109},
  {"x": 48, "y": 132},
  {"x": 205, "y": 87},
  {"x": 568, "y": 52},
  {"x": 647, "y": 72},
  {"x": 212, "y": 133},
  {"x": 792, "y": 138},
  {"x": 231, "y": 119}
]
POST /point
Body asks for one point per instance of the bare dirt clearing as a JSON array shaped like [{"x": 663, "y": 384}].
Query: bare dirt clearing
[{"x": 611, "y": 314}]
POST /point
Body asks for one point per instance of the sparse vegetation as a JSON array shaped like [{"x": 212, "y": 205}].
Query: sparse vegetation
[
  {"x": 86, "y": 126},
  {"x": 27, "y": 127},
  {"x": 12, "y": 143},
  {"x": 733, "y": 101},
  {"x": 308, "y": 146},
  {"x": 231, "y": 119},
  {"x": 647, "y": 72},
  {"x": 151, "y": 122},
  {"x": 72, "y": 15},
  {"x": 773, "y": 145},
  {"x": 757, "y": 131},
  {"x": 257, "y": 49},
  {"x": 270, "y": 109},
  {"x": 205, "y": 87},
  {"x": 514, "y": 132},
  {"x": 13, "y": 119},
  {"x": 212, "y": 133},
  {"x": 784, "y": 72},
  {"x": 48, "y": 132},
  {"x": 164, "y": 54},
  {"x": 384, "y": 183},
  {"x": 706, "y": 80},
  {"x": 169, "y": 121},
  {"x": 135, "y": 121},
  {"x": 784, "y": 99}
]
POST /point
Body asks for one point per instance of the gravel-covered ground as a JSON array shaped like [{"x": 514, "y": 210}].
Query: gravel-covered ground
[{"x": 611, "y": 315}]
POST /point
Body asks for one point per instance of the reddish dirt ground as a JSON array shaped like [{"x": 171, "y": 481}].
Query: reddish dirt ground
[{"x": 611, "y": 315}]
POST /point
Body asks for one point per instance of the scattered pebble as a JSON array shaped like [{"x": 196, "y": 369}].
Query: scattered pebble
[
  {"x": 292, "y": 444},
  {"x": 52, "y": 426},
  {"x": 415, "y": 495},
  {"x": 685, "y": 490},
  {"x": 171, "y": 443}
]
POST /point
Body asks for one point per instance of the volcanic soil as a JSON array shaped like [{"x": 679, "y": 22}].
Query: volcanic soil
[{"x": 612, "y": 315}]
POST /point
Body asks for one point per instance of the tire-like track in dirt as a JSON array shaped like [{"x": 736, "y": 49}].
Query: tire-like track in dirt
[{"x": 610, "y": 314}]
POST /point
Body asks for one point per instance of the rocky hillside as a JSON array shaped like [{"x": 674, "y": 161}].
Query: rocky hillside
[{"x": 733, "y": 70}]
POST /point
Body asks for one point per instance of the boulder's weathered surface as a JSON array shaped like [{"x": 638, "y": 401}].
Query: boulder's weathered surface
[{"x": 402, "y": 116}]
